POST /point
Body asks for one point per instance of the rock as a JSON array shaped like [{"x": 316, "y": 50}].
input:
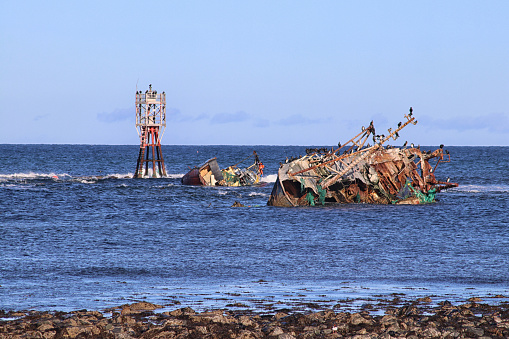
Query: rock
[
  {"x": 362, "y": 336},
  {"x": 286, "y": 336},
  {"x": 475, "y": 321},
  {"x": 144, "y": 306},
  {"x": 174, "y": 322},
  {"x": 128, "y": 320},
  {"x": 280, "y": 315},
  {"x": 408, "y": 310},
  {"x": 214, "y": 317},
  {"x": 45, "y": 326},
  {"x": 431, "y": 332},
  {"x": 425, "y": 300},
  {"x": 188, "y": 311},
  {"x": 245, "y": 321},
  {"x": 201, "y": 329},
  {"x": 357, "y": 319},
  {"x": 164, "y": 335},
  {"x": 388, "y": 320},
  {"x": 49, "y": 334},
  {"x": 138, "y": 308},
  {"x": 276, "y": 331},
  {"x": 450, "y": 333},
  {"x": 445, "y": 304},
  {"x": 478, "y": 332},
  {"x": 74, "y": 331},
  {"x": 394, "y": 328}
]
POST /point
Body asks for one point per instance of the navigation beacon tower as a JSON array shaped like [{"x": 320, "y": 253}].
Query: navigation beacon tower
[{"x": 150, "y": 124}]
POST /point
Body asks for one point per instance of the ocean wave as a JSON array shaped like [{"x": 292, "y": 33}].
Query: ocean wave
[
  {"x": 482, "y": 188},
  {"x": 32, "y": 176},
  {"x": 253, "y": 194},
  {"x": 118, "y": 176},
  {"x": 22, "y": 186},
  {"x": 29, "y": 176},
  {"x": 174, "y": 176},
  {"x": 269, "y": 178},
  {"x": 86, "y": 181}
]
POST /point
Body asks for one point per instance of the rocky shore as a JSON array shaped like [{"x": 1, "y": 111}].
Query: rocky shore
[{"x": 145, "y": 320}]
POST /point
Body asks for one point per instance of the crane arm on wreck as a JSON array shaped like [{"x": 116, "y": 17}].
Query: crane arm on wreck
[{"x": 359, "y": 140}]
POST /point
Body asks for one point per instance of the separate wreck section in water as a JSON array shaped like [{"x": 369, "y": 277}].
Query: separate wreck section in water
[
  {"x": 210, "y": 174},
  {"x": 357, "y": 172}
]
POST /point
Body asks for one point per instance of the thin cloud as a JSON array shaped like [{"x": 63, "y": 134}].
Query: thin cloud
[
  {"x": 40, "y": 117},
  {"x": 260, "y": 122},
  {"x": 116, "y": 116},
  {"x": 174, "y": 114},
  {"x": 494, "y": 122},
  {"x": 202, "y": 116},
  {"x": 298, "y": 119},
  {"x": 226, "y": 118}
]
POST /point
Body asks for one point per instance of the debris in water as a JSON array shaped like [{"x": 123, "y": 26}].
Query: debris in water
[{"x": 209, "y": 174}]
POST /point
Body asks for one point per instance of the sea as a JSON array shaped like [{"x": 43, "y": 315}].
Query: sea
[{"x": 78, "y": 232}]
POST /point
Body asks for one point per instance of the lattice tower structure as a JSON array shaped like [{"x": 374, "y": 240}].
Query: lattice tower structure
[{"x": 150, "y": 124}]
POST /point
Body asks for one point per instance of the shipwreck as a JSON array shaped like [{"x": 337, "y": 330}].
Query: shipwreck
[
  {"x": 356, "y": 172},
  {"x": 210, "y": 174}
]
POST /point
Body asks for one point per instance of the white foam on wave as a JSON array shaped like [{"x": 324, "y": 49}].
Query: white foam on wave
[
  {"x": 61, "y": 177},
  {"x": 253, "y": 194},
  {"x": 87, "y": 181},
  {"x": 482, "y": 188},
  {"x": 33, "y": 175},
  {"x": 269, "y": 178},
  {"x": 174, "y": 176},
  {"x": 118, "y": 176},
  {"x": 22, "y": 186}
]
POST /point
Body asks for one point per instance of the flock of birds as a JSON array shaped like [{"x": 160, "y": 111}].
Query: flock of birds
[{"x": 376, "y": 137}]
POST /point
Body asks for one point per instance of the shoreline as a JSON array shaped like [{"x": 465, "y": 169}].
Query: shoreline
[
  {"x": 257, "y": 296},
  {"x": 417, "y": 318}
]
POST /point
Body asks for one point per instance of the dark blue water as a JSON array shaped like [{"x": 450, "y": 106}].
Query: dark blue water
[{"x": 94, "y": 238}]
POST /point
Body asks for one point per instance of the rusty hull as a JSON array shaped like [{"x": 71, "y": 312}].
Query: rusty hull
[{"x": 359, "y": 173}]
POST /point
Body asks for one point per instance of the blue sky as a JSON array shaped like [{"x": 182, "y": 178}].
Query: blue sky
[{"x": 255, "y": 72}]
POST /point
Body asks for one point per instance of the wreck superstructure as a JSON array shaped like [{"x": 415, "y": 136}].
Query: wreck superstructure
[
  {"x": 358, "y": 172},
  {"x": 209, "y": 174}
]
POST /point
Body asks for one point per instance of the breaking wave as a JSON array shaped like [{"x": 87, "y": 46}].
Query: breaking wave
[
  {"x": 174, "y": 176},
  {"x": 482, "y": 188},
  {"x": 269, "y": 178},
  {"x": 253, "y": 194},
  {"x": 61, "y": 177},
  {"x": 32, "y": 176}
]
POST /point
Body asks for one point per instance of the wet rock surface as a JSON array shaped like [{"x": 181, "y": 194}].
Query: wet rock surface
[{"x": 142, "y": 320}]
